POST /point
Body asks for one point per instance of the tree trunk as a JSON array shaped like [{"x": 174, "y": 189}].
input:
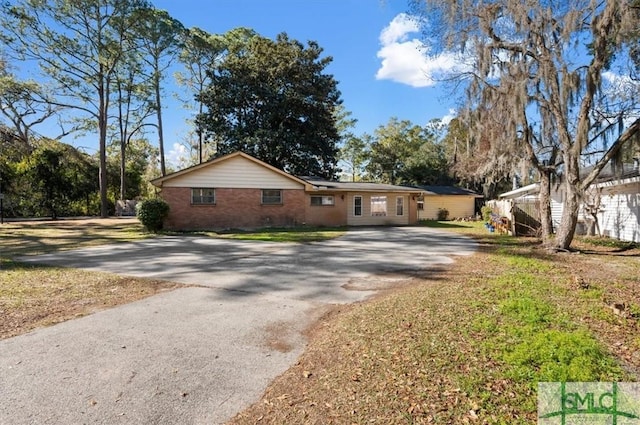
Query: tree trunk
[
  {"x": 104, "y": 205},
  {"x": 569, "y": 220},
  {"x": 546, "y": 221},
  {"x": 102, "y": 130},
  {"x": 163, "y": 169},
  {"x": 123, "y": 169},
  {"x": 200, "y": 135}
]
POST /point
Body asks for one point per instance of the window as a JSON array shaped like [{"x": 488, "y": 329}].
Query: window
[
  {"x": 400, "y": 205},
  {"x": 317, "y": 201},
  {"x": 421, "y": 205},
  {"x": 203, "y": 196},
  {"x": 271, "y": 197},
  {"x": 357, "y": 206},
  {"x": 379, "y": 206}
]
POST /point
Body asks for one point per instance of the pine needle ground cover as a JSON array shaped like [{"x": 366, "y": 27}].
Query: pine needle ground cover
[{"x": 468, "y": 344}]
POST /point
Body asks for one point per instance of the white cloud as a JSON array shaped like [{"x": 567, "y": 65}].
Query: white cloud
[
  {"x": 399, "y": 29},
  {"x": 618, "y": 81},
  {"x": 177, "y": 157},
  {"x": 449, "y": 117},
  {"x": 407, "y": 60}
]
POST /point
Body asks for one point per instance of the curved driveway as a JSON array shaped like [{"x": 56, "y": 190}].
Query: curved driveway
[{"x": 199, "y": 354}]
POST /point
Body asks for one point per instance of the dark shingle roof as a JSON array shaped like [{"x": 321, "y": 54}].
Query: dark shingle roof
[
  {"x": 358, "y": 186},
  {"x": 447, "y": 190},
  {"x": 613, "y": 172}
]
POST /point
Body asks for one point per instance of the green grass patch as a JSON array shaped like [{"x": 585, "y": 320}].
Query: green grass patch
[
  {"x": 552, "y": 355},
  {"x": 299, "y": 235},
  {"x": 527, "y": 310},
  {"x": 473, "y": 227},
  {"x": 608, "y": 242},
  {"x": 524, "y": 331}
]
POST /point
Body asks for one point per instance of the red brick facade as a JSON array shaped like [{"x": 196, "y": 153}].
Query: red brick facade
[
  {"x": 327, "y": 215},
  {"x": 234, "y": 208}
]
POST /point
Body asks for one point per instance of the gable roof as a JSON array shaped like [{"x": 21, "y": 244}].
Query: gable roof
[
  {"x": 213, "y": 162},
  {"x": 447, "y": 190}
]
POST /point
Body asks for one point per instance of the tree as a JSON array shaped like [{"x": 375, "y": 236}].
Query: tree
[
  {"x": 138, "y": 156},
  {"x": 132, "y": 89},
  {"x": 158, "y": 35},
  {"x": 79, "y": 47},
  {"x": 24, "y": 104},
  {"x": 427, "y": 165},
  {"x": 352, "y": 150},
  {"x": 405, "y": 153},
  {"x": 12, "y": 150},
  {"x": 527, "y": 74},
  {"x": 272, "y": 99},
  {"x": 57, "y": 176},
  {"x": 200, "y": 52},
  {"x": 354, "y": 153}
]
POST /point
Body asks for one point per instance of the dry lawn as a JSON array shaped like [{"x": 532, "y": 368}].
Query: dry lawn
[
  {"x": 33, "y": 296},
  {"x": 467, "y": 344}
]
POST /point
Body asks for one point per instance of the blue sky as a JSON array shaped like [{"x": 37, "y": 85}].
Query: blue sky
[{"x": 376, "y": 50}]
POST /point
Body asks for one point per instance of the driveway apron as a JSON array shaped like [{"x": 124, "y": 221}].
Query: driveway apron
[{"x": 202, "y": 353}]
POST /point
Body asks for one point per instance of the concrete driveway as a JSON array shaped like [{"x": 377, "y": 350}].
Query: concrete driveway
[{"x": 199, "y": 354}]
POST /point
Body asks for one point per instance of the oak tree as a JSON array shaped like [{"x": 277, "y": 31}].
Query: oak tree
[
  {"x": 540, "y": 69},
  {"x": 274, "y": 100}
]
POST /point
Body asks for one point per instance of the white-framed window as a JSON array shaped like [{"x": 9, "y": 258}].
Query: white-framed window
[
  {"x": 421, "y": 205},
  {"x": 203, "y": 196},
  {"x": 271, "y": 197},
  {"x": 357, "y": 206},
  {"x": 400, "y": 206},
  {"x": 379, "y": 206},
  {"x": 324, "y": 200}
]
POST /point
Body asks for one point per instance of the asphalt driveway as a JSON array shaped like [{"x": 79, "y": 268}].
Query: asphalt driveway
[{"x": 199, "y": 354}]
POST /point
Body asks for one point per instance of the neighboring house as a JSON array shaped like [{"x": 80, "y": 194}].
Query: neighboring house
[
  {"x": 240, "y": 191},
  {"x": 460, "y": 203},
  {"x": 614, "y": 197},
  {"x": 619, "y": 205}
]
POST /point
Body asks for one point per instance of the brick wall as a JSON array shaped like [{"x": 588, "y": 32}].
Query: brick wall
[
  {"x": 234, "y": 208},
  {"x": 327, "y": 215}
]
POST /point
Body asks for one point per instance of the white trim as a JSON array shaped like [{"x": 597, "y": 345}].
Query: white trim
[
  {"x": 361, "y": 205},
  {"x": 400, "y": 198}
]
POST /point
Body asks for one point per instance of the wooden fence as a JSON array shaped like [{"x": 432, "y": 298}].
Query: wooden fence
[{"x": 523, "y": 214}]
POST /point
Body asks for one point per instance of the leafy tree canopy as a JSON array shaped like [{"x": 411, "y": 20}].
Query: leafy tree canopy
[
  {"x": 403, "y": 153},
  {"x": 274, "y": 100}
]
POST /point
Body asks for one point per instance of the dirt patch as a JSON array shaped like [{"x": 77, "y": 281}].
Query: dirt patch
[
  {"x": 377, "y": 283},
  {"x": 390, "y": 280},
  {"x": 277, "y": 337}
]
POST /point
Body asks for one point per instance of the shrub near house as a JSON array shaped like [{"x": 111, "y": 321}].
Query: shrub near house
[{"x": 152, "y": 213}]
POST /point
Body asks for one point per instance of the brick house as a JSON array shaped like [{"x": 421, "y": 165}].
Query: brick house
[{"x": 240, "y": 191}]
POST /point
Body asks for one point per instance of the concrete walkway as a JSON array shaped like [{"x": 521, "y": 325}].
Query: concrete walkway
[{"x": 198, "y": 355}]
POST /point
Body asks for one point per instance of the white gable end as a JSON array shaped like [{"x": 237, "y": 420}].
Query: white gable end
[{"x": 235, "y": 173}]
